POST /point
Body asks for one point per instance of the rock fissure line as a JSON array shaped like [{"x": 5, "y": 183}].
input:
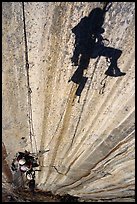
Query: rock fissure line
[
  {"x": 88, "y": 173},
  {"x": 32, "y": 135}
]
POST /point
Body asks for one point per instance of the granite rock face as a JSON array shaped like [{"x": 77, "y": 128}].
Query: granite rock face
[{"x": 90, "y": 139}]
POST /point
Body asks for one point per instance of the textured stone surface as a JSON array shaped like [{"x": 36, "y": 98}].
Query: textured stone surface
[{"x": 91, "y": 143}]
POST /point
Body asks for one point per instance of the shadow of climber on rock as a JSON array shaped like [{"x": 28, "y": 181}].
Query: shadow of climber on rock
[{"x": 89, "y": 44}]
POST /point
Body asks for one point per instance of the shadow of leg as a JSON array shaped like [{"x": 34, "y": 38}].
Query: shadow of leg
[
  {"x": 81, "y": 86},
  {"x": 113, "y": 54},
  {"x": 77, "y": 76},
  {"x": 75, "y": 58}
]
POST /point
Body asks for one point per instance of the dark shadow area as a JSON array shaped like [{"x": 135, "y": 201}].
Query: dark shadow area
[
  {"x": 89, "y": 44},
  {"x": 24, "y": 195},
  {"x": 69, "y": 198}
]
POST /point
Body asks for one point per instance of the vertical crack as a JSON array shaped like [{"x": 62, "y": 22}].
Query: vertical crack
[{"x": 28, "y": 83}]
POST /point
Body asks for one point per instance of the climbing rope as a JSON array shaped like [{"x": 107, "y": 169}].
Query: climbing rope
[
  {"x": 104, "y": 80},
  {"x": 31, "y": 128},
  {"x": 103, "y": 83}
]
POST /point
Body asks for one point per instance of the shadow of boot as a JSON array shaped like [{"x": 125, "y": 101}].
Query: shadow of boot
[{"x": 114, "y": 72}]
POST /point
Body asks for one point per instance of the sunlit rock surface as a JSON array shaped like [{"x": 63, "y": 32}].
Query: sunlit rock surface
[{"x": 91, "y": 143}]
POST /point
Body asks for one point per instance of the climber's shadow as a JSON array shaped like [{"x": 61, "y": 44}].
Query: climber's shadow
[{"x": 89, "y": 44}]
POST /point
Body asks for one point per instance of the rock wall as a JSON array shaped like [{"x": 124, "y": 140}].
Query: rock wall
[{"x": 91, "y": 140}]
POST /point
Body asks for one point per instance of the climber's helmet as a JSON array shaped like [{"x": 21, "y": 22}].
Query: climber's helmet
[
  {"x": 22, "y": 161},
  {"x": 29, "y": 177}
]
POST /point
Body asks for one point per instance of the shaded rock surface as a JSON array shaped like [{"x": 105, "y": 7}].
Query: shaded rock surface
[{"x": 91, "y": 142}]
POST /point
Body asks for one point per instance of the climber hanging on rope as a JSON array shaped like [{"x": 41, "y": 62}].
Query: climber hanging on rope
[{"x": 24, "y": 161}]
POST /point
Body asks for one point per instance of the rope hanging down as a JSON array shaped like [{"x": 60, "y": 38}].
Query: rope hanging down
[{"x": 32, "y": 135}]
